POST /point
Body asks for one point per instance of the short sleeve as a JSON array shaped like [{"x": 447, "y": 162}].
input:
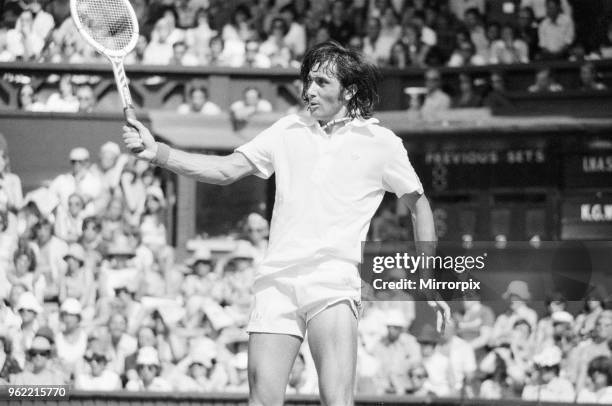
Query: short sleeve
[
  {"x": 260, "y": 151},
  {"x": 399, "y": 176}
]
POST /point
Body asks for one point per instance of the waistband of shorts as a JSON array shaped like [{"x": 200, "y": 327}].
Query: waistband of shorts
[{"x": 331, "y": 264}]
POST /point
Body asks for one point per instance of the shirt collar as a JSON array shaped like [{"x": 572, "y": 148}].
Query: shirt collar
[{"x": 308, "y": 121}]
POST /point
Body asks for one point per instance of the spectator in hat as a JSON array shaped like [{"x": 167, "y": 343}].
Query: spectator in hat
[
  {"x": 50, "y": 256},
  {"x": 203, "y": 373},
  {"x": 547, "y": 385},
  {"x": 97, "y": 377},
  {"x": 79, "y": 180},
  {"x": 145, "y": 337},
  {"x": 396, "y": 349},
  {"x": 8, "y": 364},
  {"x": 40, "y": 372},
  {"x": 599, "y": 388},
  {"x": 71, "y": 341},
  {"x": 516, "y": 295},
  {"x": 149, "y": 368},
  {"x": 436, "y": 364},
  {"x": 122, "y": 344},
  {"x": 78, "y": 281},
  {"x": 29, "y": 309},
  {"x": 69, "y": 222}
]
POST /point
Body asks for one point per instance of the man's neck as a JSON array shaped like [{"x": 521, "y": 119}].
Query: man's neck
[{"x": 334, "y": 124}]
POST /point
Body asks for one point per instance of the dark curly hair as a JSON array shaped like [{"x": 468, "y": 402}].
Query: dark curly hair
[{"x": 350, "y": 68}]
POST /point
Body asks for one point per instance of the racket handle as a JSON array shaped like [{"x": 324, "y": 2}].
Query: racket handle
[{"x": 130, "y": 113}]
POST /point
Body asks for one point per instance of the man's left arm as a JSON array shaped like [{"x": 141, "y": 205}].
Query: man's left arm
[{"x": 426, "y": 242}]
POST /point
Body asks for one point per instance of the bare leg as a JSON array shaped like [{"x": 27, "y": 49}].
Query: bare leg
[
  {"x": 332, "y": 336},
  {"x": 271, "y": 358}
]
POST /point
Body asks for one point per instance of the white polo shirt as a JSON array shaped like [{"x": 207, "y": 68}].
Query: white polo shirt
[{"x": 327, "y": 187}]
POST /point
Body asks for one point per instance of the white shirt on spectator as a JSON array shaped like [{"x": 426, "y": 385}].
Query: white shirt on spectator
[
  {"x": 435, "y": 103},
  {"x": 107, "y": 381},
  {"x": 380, "y": 50},
  {"x": 158, "y": 53},
  {"x": 557, "y": 390},
  {"x": 518, "y": 52},
  {"x": 208, "y": 109},
  {"x": 603, "y": 396},
  {"x": 87, "y": 185},
  {"x": 295, "y": 39},
  {"x": 440, "y": 373},
  {"x": 554, "y": 36},
  {"x": 157, "y": 385},
  {"x": 462, "y": 359}
]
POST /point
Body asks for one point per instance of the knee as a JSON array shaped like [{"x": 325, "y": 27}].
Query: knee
[
  {"x": 256, "y": 399},
  {"x": 261, "y": 394}
]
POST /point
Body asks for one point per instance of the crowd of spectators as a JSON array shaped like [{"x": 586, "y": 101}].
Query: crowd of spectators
[
  {"x": 91, "y": 294},
  {"x": 276, "y": 33}
]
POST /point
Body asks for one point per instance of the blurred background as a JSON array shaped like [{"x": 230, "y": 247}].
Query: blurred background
[{"x": 117, "y": 276}]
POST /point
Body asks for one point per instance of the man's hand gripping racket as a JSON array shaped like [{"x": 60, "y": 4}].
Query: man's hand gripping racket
[{"x": 111, "y": 27}]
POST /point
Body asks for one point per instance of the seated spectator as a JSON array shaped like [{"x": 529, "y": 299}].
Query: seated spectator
[
  {"x": 467, "y": 95},
  {"x": 527, "y": 30},
  {"x": 253, "y": 58},
  {"x": 425, "y": 34},
  {"x": 26, "y": 41},
  {"x": 71, "y": 341},
  {"x": 295, "y": 38},
  {"x": 182, "y": 56},
  {"x": 91, "y": 241},
  {"x": 497, "y": 383},
  {"x": 199, "y": 102},
  {"x": 274, "y": 47},
  {"x": 593, "y": 347},
  {"x": 539, "y": 8},
  {"x": 299, "y": 381},
  {"x": 252, "y": 103},
  {"x": 465, "y": 55},
  {"x": 420, "y": 384},
  {"x": 149, "y": 368},
  {"x": 477, "y": 34},
  {"x": 605, "y": 49},
  {"x": 543, "y": 334},
  {"x": 118, "y": 270},
  {"x": 86, "y": 98},
  {"x": 395, "y": 350},
  {"x": 97, "y": 377},
  {"x": 475, "y": 323},
  {"x": 159, "y": 50},
  {"x": 436, "y": 364},
  {"x": 593, "y": 306},
  {"x": 69, "y": 222},
  {"x": 377, "y": 47},
  {"x": 29, "y": 309},
  {"x": 416, "y": 49},
  {"x": 121, "y": 343},
  {"x": 218, "y": 55},
  {"x": 137, "y": 55},
  {"x": 23, "y": 271},
  {"x": 509, "y": 49},
  {"x": 462, "y": 359},
  {"x": 588, "y": 78},
  {"x": 339, "y": 25},
  {"x": 239, "y": 28},
  {"x": 8, "y": 246},
  {"x": 495, "y": 96},
  {"x": 64, "y": 100},
  {"x": 152, "y": 226},
  {"x": 547, "y": 385},
  {"x": 600, "y": 382},
  {"x": 8, "y": 364},
  {"x": 516, "y": 295},
  {"x": 28, "y": 100},
  {"x": 556, "y": 32},
  {"x": 436, "y": 101},
  {"x": 544, "y": 82},
  {"x": 198, "y": 38},
  {"x": 203, "y": 372},
  {"x": 10, "y": 183},
  {"x": 78, "y": 281},
  {"x": 40, "y": 371},
  {"x": 459, "y": 7},
  {"x": 50, "y": 257}
]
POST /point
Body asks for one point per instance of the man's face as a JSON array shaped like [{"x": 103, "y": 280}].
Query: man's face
[
  {"x": 198, "y": 99},
  {"x": 117, "y": 326},
  {"x": 432, "y": 81},
  {"x": 86, "y": 99},
  {"x": 324, "y": 93},
  {"x": 108, "y": 159},
  {"x": 552, "y": 10},
  {"x": 373, "y": 28},
  {"x": 603, "y": 327}
]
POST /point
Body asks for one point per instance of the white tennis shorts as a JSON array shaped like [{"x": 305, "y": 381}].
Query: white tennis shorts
[{"x": 285, "y": 301}]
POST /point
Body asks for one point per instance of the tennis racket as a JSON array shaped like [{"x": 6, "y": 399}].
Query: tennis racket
[{"x": 111, "y": 27}]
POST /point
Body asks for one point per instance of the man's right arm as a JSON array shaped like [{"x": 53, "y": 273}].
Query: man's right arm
[{"x": 218, "y": 170}]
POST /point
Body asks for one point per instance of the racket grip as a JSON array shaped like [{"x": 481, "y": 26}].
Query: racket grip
[{"x": 130, "y": 113}]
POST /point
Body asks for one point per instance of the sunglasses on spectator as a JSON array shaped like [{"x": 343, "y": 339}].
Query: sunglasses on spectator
[
  {"x": 44, "y": 353},
  {"x": 99, "y": 358},
  {"x": 147, "y": 366}
]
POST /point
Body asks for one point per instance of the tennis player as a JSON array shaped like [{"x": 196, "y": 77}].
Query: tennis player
[{"x": 332, "y": 169}]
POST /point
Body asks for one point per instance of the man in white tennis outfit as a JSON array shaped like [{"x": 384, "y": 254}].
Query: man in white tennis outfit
[{"x": 332, "y": 169}]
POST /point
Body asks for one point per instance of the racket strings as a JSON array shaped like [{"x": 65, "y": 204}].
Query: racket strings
[{"x": 108, "y": 22}]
